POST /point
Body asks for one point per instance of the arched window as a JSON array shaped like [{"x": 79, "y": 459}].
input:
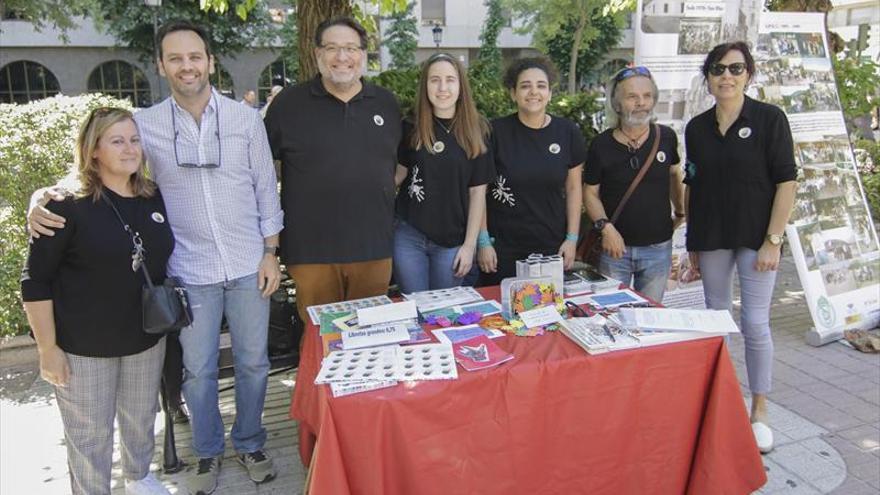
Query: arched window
[
  {"x": 24, "y": 81},
  {"x": 122, "y": 80},
  {"x": 222, "y": 81},
  {"x": 275, "y": 74}
]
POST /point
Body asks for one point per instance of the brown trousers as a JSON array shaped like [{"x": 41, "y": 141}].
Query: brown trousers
[{"x": 333, "y": 282}]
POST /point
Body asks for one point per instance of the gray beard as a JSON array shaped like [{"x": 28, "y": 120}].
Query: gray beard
[{"x": 631, "y": 121}]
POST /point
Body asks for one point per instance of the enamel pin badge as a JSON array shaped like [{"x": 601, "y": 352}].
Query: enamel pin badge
[
  {"x": 157, "y": 217},
  {"x": 745, "y": 132},
  {"x": 554, "y": 148},
  {"x": 378, "y": 120},
  {"x": 439, "y": 147}
]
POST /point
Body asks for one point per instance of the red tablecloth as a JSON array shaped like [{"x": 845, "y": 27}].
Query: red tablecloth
[{"x": 662, "y": 420}]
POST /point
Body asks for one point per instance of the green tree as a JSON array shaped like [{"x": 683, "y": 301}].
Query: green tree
[
  {"x": 488, "y": 63},
  {"x": 402, "y": 38},
  {"x": 60, "y": 14},
  {"x": 289, "y": 37},
  {"x": 546, "y": 18},
  {"x": 857, "y": 85},
  {"x": 131, "y": 23},
  {"x": 592, "y": 53}
]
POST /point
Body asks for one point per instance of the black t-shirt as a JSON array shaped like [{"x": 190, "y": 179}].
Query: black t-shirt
[
  {"x": 434, "y": 197},
  {"x": 337, "y": 172},
  {"x": 733, "y": 178},
  {"x": 85, "y": 269},
  {"x": 647, "y": 217},
  {"x": 526, "y": 203}
]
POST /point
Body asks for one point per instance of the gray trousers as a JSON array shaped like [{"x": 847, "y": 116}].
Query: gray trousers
[
  {"x": 98, "y": 390},
  {"x": 756, "y": 294}
]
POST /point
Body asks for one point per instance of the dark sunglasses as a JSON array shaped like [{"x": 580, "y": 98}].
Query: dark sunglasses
[
  {"x": 177, "y": 137},
  {"x": 638, "y": 70},
  {"x": 735, "y": 69}
]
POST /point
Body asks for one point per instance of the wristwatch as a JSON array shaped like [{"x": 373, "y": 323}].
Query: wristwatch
[
  {"x": 599, "y": 224},
  {"x": 774, "y": 239}
]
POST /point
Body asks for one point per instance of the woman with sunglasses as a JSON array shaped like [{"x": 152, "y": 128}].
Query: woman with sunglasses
[
  {"x": 444, "y": 168},
  {"x": 740, "y": 175},
  {"x": 82, "y": 293},
  {"x": 637, "y": 245},
  {"x": 534, "y": 206}
]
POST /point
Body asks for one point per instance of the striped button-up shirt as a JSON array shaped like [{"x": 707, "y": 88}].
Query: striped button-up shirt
[{"x": 221, "y": 215}]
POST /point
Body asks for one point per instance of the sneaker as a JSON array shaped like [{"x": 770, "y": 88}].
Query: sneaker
[
  {"x": 149, "y": 485},
  {"x": 204, "y": 482},
  {"x": 763, "y": 437},
  {"x": 259, "y": 466}
]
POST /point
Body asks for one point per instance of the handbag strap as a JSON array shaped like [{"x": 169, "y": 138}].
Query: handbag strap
[
  {"x": 136, "y": 242},
  {"x": 642, "y": 171}
]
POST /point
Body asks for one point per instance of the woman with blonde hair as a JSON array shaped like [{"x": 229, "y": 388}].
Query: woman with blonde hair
[
  {"x": 444, "y": 168},
  {"x": 82, "y": 293}
]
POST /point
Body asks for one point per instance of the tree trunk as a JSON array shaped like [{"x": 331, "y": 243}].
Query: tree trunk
[
  {"x": 310, "y": 13},
  {"x": 575, "y": 51}
]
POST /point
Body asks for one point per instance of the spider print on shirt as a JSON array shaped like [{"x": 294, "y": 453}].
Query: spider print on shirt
[
  {"x": 502, "y": 193},
  {"x": 415, "y": 190}
]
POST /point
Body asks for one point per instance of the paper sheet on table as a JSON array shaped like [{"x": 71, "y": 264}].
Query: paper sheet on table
[
  {"x": 386, "y": 313},
  {"x": 680, "y": 320},
  {"x": 610, "y": 299},
  {"x": 375, "y": 336},
  {"x": 537, "y": 317}
]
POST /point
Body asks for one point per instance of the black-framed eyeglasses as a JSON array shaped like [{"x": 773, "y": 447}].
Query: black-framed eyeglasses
[
  {"x": 735, "y": 68},
  {"x": 628, "y": 72},
  {"x": 350, "y": 50},
  {"x": 217, "y": 133}
]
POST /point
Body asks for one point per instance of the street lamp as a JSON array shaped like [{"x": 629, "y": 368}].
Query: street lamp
[
  {"x": 155, "y": 5},
  {"x": 437, "y": 31}
]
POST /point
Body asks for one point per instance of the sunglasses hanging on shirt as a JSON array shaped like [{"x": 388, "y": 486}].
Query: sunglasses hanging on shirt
[{"x": 217, "y": 133}]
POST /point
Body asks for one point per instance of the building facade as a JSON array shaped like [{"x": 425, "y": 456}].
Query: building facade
[
  {"x": 846, "y": 17},
  {"x": 36, "y": 64}
]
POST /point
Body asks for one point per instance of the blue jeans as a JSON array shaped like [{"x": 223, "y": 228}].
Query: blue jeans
[
  {"x": 419, "y": 263},
  {"x": 644, "y": 268},
  {"x": 248, "y": 316},
  {"x": 756, "y": 294}
]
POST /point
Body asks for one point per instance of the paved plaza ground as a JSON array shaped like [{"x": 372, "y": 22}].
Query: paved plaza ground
[{"x": 825, "y": 411}]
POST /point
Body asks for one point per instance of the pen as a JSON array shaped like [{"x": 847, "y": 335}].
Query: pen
[{"x": 608, "y": 333}]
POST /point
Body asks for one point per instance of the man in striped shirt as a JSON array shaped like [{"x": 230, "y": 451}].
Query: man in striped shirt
[{"x": 211, "y": 159}]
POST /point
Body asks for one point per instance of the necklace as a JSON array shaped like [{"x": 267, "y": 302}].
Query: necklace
[
  {"x": 447, "y": 129},
  {"x": 633, "y": 143}
]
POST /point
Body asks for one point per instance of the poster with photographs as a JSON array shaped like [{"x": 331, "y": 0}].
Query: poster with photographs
[
  {"x": 684, "y": 289},
  {"x": 673, "y": 37},
  {"x": 830, "y": 232}
]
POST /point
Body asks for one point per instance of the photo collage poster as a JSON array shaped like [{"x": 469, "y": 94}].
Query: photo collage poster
[{"x": 831, "y": 233}]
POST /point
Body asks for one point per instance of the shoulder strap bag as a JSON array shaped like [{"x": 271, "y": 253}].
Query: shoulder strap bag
[
  {"x": 165, "y": 307},
  {"x": 591, "y": 245}
]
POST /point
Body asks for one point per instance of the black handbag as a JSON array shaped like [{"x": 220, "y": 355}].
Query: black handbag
[{"x": 165, "y": 307}]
